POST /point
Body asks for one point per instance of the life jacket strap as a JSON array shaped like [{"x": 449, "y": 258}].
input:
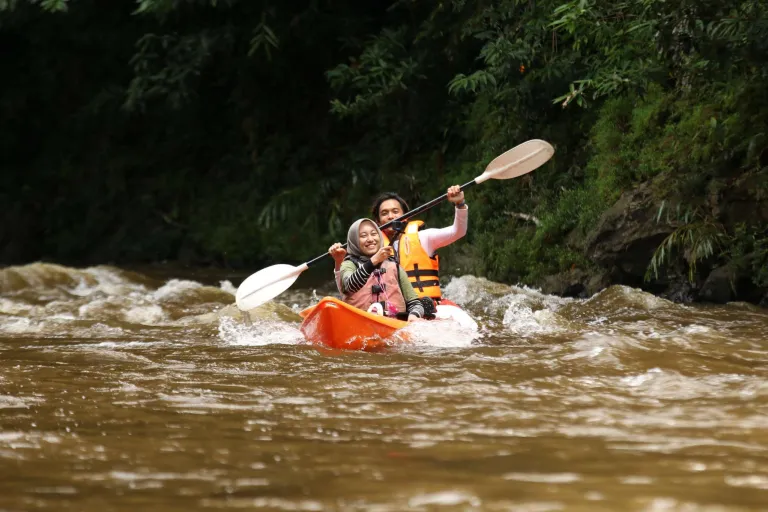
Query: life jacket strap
[{"x": 416, "y": 274}]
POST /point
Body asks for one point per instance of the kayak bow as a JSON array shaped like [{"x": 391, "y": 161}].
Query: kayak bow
[{"x": 335, "y": 324}]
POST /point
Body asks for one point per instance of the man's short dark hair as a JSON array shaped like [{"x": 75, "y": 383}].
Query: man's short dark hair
[{"x": 386, "y": 196}]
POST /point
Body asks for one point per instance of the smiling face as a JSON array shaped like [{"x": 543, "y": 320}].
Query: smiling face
[
  {"x": 389, "y": 210},
  {"x": 369, "y": 239}
]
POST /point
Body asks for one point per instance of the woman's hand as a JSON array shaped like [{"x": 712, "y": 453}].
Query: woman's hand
[
  {"x": 382, "y": 254},
  {"x": 412, "y": 318},
  {"x": 338, "y": 253},
  {"x": 455, "y": 194}
]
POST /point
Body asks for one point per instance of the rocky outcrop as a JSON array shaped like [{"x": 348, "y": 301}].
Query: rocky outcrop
[
  {"x": 621, "y": 245},
  {"x": 575, "y": 283},
  {"x": 733, "y": 281},
  {"x": 623, "y": 242},
  {"x": 719, "y": 285},
  {"x": 743, "y": 201},
  {"x": 627, "y": 234}
]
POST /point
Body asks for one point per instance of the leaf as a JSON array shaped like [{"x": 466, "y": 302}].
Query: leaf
[
  {"x": 55, "y": 5},
  {"x": 756, "y": 147}
]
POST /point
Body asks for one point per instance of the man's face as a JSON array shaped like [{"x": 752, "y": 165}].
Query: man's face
[{"x": 389, "y": 210}]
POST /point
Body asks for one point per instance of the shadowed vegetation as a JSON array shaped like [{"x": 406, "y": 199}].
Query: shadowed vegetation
[{"x": 240, "y": 133}]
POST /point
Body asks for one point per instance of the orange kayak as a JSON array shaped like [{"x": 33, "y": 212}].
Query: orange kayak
[{"x": 336, "y": 324}]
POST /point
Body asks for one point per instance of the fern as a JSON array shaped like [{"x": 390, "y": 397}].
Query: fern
[
  {"x": 263, "y": 38},
  {"x": 475, "y": 82},
  {"x": 698, "y": 237}
]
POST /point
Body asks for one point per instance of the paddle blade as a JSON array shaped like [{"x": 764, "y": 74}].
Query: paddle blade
[
  {"x": 517, "y": 161},
  {"x": 266, "y": 284}
]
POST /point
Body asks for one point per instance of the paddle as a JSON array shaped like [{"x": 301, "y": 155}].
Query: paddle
[{"x": 270, "y": 282}]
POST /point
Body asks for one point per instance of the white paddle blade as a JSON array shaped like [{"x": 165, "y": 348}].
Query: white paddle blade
[
  {"x": 517, "y": 161},
  {"x": 266, "y": 284}
]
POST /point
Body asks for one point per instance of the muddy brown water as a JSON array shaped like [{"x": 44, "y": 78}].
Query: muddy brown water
[{"x": 125, "y": 391}]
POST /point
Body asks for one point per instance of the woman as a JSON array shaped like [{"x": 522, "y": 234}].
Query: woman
[{"x": 370, "y": 275}]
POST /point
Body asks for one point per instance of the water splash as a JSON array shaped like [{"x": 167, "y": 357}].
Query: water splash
[
  {"x": 53, "y": 299},
  {"x": 438, "y": 334},
  {"x": 260, "y": 333}
]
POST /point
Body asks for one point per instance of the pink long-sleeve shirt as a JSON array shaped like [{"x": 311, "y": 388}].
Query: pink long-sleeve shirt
[{"x": 433, "y": 239}]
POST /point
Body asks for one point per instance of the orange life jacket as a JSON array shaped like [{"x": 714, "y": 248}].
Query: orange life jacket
[{"x": 423, "y": 271}]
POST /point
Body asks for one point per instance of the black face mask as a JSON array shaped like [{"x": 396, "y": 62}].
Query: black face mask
[{"x": 398, "y": 226}]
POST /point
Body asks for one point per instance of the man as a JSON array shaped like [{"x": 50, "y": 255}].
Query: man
[{"x": 416, "y": 247}]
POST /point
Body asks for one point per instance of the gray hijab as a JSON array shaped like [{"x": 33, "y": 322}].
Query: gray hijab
[{"x": 353, "y": 239}]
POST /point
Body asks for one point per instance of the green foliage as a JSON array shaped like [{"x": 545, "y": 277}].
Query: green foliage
[
  {"x": 166, "y": 7},
  {"x": 46, "y": 5},
  {"x": 576, "y": 209},
  {"x": 474, "y": 82},
  {"x": 54, "y": 5},
  {"x": 628, "y": 46},
  {"x": 619, "y": 137},
  {"x": 167, "y": 67},
  {"x": 222, "y": 131},
  {"x": 619, "y": 36},
  {"x": 263, "y": 38},
  {"x": 383, "y": 70},
  {"x": 526, "y": 256},
  {"x": 697, "y": 237},
  {"x": 748, "y": 250}
]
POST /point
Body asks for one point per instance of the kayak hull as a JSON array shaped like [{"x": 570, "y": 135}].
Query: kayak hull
[{"x": 335, "y": 324}]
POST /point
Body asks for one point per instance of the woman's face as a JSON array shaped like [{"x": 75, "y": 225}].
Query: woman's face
[{"x": 369, "y": 239}]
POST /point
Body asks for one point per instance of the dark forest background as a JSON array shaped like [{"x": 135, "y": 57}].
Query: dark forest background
[{"x": 240, "y": 133}]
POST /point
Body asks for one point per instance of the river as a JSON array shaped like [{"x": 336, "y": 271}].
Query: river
[{"x": 121, "y": 390}]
